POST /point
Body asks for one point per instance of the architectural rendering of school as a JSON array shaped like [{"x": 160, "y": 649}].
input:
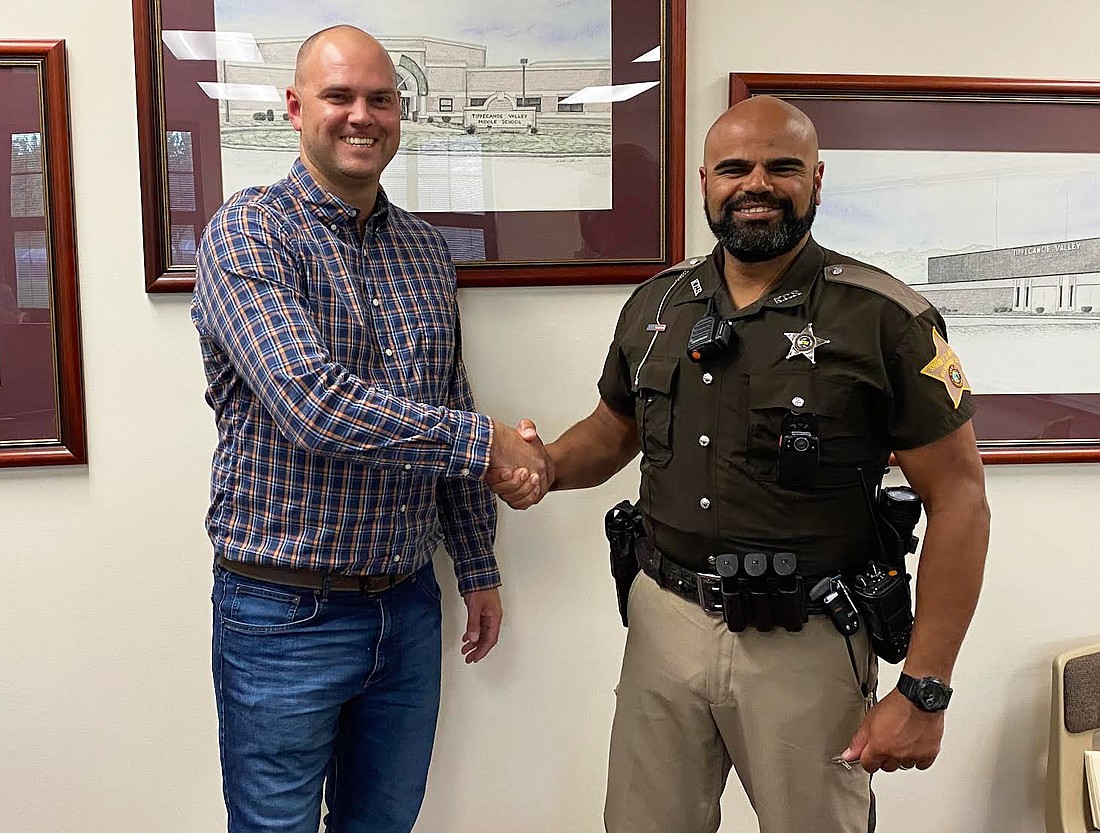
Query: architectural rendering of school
[
  {"x": 1049, "y": 278},
  {"x": 446, "y": 83}
]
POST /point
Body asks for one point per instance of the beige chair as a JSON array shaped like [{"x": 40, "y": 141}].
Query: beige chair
[{"x": 1074, "y": 725}]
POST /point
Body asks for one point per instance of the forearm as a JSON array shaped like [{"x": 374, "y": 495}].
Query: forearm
[
  {"x": 949, "y": 579},
  {"x": 593, "y": 450}
]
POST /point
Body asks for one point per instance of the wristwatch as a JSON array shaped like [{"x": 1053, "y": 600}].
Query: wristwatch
[{"x": 929, "y": 694}]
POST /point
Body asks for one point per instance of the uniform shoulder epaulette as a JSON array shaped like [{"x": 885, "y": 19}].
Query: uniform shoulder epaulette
[
  {"x": 688, "y": 264},
  {"x": 854, "y": 274}
]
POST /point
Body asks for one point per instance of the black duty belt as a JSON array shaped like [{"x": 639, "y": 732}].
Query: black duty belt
[
  {"x": 313, "y": 579},
  {"x": 703, "y": 589}
]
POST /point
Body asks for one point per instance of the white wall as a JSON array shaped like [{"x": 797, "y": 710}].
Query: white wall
[{"x": 106, "y": 712}]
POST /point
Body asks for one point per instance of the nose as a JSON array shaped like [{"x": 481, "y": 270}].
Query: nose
[
  {"x": 758, "y": 180},
  {"x": 359, "y": 112}
]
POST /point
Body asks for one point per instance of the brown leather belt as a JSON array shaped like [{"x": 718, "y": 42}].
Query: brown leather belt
[{"x": 313, "y": 579}]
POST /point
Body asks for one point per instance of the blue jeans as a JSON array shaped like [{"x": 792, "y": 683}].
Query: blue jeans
[{"x": 328, "y": 689}]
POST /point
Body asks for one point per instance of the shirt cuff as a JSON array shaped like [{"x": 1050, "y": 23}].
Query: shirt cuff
[
  {"x": 473, "y": 437},
  {"x": 481, "y": 580}
]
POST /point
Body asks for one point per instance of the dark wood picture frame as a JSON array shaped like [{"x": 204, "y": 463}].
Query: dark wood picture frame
[
  {"x": 893, "y": 112},
  {"x": 666, "y": 104},
  {"x": 68, "y": 447}
]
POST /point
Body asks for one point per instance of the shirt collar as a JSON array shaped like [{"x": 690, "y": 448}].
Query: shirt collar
[
  {"x": 329, "y": 207},
  {"x": 791, "y": 291}
]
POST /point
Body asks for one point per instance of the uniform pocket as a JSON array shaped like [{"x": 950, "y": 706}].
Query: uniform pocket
[
  {"x": 656, "y": 383},
  {"x": 774, "y": 394}
]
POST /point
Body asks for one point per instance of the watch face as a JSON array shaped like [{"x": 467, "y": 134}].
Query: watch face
[{"x": 931, "y": 696}]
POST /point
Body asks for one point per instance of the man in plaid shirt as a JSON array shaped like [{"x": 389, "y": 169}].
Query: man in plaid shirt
[{"x": 348, "y": 450}]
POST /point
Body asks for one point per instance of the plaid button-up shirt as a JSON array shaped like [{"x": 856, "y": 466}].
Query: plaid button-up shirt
[{"x": 347, "y": 439}]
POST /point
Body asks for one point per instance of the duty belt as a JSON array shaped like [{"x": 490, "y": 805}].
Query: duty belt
[{"x": 703, "y": 589}]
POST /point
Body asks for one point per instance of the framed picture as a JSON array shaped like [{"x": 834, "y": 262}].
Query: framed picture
[
  {"x": 41, "y": 384},
  {"x": 545, "y": 140},
  {"x": 983, "y": 194}
]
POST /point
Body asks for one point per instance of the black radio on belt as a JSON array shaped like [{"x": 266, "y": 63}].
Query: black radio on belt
[{"x": 711, "y": 336}]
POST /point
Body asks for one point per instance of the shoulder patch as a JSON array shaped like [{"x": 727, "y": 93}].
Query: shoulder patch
[{"x": 878, "y": 282}]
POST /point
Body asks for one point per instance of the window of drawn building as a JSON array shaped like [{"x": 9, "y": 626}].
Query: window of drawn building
[
  {"x": 27, "y": 186},
  {"x": 181, "y": 195},
  {"x": 32, "y": 270},
  {"x": 569, "y": 108},
  {"x": 28, "y": 212},
  {"x": 446, "y": 105},
  {"x": 478, "y": 102},
  {"x": 531, "y": 101}
]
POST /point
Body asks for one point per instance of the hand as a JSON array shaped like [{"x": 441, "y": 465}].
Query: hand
[
  {"x": 525, "y": 484},
  {"x": 483, "y": 618},
  {"x": 896, "y": 734}
]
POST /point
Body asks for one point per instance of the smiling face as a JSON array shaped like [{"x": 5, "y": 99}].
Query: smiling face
[
  {"x": 346, "y": 107},
  {"x": 761, "y": 179}
]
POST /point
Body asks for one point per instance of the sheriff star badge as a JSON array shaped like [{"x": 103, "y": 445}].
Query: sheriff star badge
[{"x": 804, "y": 343}]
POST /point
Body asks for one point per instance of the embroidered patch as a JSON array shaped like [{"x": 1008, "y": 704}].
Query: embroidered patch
[
  {"x": 787, "y": 296},
  {"x": 804, "y": 343},
  {"x": 656, "y": 327},
  {"x": 697, "y": 287},
  {"x": 947, "y": 368}
]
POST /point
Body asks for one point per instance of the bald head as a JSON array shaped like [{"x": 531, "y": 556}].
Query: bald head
[
  {"x": 762, "y": 120},
  {"x": 761, "y": 179},
  {"x": 336, "y": 39}
]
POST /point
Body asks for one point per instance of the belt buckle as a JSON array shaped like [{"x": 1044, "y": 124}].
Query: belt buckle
[
  {"x": 709, "y": 588},
  {"x": 375, "y": 585}
]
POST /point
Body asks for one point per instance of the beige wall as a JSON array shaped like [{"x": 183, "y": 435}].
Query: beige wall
[{"x": 106, "y": 714}]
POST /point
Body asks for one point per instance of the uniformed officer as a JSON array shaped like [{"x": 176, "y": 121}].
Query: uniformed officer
[{"x": 813, "y": 332}]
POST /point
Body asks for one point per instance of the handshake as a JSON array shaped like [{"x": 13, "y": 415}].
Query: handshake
[{"x": 520, "y": 469}]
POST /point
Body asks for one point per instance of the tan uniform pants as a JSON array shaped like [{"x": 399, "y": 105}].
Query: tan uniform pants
[{"x": 694, "y": 698}]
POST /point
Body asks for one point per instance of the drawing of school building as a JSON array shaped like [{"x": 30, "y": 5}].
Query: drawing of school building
[
  {"x": 443, "y": 81},
  {"x": 1049, "y": 278}
]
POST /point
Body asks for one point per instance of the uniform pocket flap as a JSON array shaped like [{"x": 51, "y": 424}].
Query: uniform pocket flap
[
  {"x": 657, "y": 373},
  {"x": 800, "y": 392}
]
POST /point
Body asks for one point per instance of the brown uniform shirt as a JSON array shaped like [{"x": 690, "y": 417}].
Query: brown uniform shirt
[{"x": 835, "y": 338}]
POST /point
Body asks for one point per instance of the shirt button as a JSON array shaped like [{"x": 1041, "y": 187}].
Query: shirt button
[
  {"x": 837, "y": 270},
  {"x": 707, "y": 378},
  {"x": 396, "y": 558},
  {"x": 704, "y": 440},
  {"x": 389, "y": 352},
  {"x": 408, "y": 466},
  {"x": 465, "y": 472},
  {"x": 403, "y": 507},
  {"x": 376, "y": 302},
  {"x": 704, "y": 503},
  {"x": 332, "y": 226},
  {"x": 798, "y": 401}
]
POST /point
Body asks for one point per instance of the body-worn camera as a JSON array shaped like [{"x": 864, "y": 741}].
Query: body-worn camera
[{"x": 799, "y": 451}]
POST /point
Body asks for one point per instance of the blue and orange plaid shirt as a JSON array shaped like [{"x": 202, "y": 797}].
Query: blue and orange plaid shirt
[{"x": 347, "y": 437}]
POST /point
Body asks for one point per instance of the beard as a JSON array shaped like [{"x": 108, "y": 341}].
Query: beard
[{"x": 757, "y": 242}]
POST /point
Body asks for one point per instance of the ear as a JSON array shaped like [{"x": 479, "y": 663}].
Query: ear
[
  {"x": 819, "y": 173},
  {"x": 294, "y": 108},
  {"x": 703, "y": 181}
]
